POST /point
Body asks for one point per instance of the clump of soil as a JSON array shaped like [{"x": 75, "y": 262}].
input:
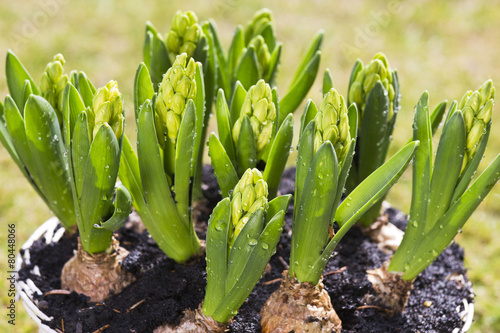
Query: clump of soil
[{"x": 164, "y": 289}]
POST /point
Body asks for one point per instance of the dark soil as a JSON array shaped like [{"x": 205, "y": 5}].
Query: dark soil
[{"x": 164, "y": 289}]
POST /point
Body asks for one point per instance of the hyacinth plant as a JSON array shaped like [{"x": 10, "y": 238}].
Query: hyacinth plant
[
  {"x": 30, "y": 130},
  {"x": 242, "y": 235},
  {"x": 249, "y": 137},
  {"x": 325, "y": 152},
  {"x": 159, "y": 177},
  {"x": 442, "y": 200},
  {"x": 375, "y": 90},
  {"x": 93, "y": 137},
  {"x": 254, "y": 55},
  {"x": 186, "y": 36}
]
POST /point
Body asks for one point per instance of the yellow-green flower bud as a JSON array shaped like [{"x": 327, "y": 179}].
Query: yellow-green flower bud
[
  {"x": 332, "y": 124},
  {"x": 477, "y": 108},
  {"x": 184, "y": 35},
  {"x": 107, "y": 108},
  {"x": 262, "y": 53},
  {"x": 256, "y": 26},
  {"x": 376, "y": 70},
  {"x": 52, "y": 84},
  {"x": 260, "y": 109},
  {"x": 249, "y": 194},
  {"x": 177, "y": 87}
]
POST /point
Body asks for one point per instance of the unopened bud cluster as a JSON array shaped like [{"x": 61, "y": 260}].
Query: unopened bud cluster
[
  {"x": 262, "y": 53},
  {"x": 53, "y": 83},
  {"x": 332, "y": 124},
  {"x": 477, "y": 108},
  {"x": 177, "y": 87},
  {"x": 253, "y": 38},
  {"x": 107, "y": 109},
  {"x": 261, "y": 20},
  {"x": 376, "y": 70},
  {"x": 184, "y": 35},
  {"x": 260, "y": 109},
  {"x": 248, "y": 196}
]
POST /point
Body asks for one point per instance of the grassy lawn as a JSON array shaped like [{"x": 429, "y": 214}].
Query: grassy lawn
[{"x": 443, "y": 47}]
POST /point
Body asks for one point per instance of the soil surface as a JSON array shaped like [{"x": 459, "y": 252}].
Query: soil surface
[{"x": 164, "y": 289}]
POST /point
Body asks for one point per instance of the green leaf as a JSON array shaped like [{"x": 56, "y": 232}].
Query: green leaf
[
  {"x": 269, "y": 38},
  {"x": 300, "y": 87},
  {"x": 160, "y": 62},
  {"x": 224, "y": 126},
  {"x": 446, "y": 170},
  {"x": 217, "y": 234},
  {"x": 16, "y": 128},
  {"x": 184, "y": 162},
  {"x": 80, "y": 148},
  {"x": 422, "y": 172},
  {"x": 373, "y": 127},
  {"x": 278, "y": 156},
  {"x": 201, "y": 51},
  {"x": 308, "y": 115},
  {"x": 375, "y": 186},
  {"x": 247, "y": 152},
  {"x": 273, "y": 65},
  {"x": 27, "y": 91},
  {"x": 223, "y": 74},
  {"x": 304, "y": 160},
  {"x": 313, "y": 214},
  {"x": 447, "y": 227},
  {"x": 437, "y": 116},
  {"x": 202, "y": 117},
  {"x": 311, "y": 53},
  {"x": 73, "y": 105},
  {"x": 242, "y": 248},
  {"x": 345, "y": 165},
  {"x": 123, "y": 208},
  {"x": 235, "y": 51},
  {"x": 16, "y": 75},
  {"x": 166, "y": 226},
  {"x": 276, "y": 205},
  {"x": 327, "y": 82},
  {"x": 96, "y": 199},
  {"x": 223, "y": 167},
  {"x": 86, "y": 89},
  {"x": 248, "y": 71},
  {"x": 143, "y": 88},
  {"x": 371, "y": 190},
  {"x": 48, "y": 154},
  {"x": 263, "y": 250},
  {"x": 130, "y": 176},
  {"x": 8, "y": 143},
  {"x": 237, "y": 102}
]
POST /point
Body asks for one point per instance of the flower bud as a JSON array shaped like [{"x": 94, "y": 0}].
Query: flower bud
[
  {"x": 107, "y": 108},
  {"x": 184, "y": 35},
  {"x": 177, "y": 87},
  {"x": 260, "y": 109},
  {"x": 376, "y": 70},
  {"x": 477, "y": 108},
  {"x": 332, "y": 123},
  {"x": 52, "y": 84},
  {"x": 249, "y": 194}
]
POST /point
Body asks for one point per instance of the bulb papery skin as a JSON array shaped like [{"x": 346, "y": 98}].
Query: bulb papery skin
[{"x": 299, "y": 307}]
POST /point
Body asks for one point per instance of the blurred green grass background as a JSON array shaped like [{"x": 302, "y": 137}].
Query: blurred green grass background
[{"x": 445, "y": 47}]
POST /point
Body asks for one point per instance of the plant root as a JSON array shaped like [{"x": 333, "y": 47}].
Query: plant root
[
  {"x": 96, "y": 275},
  {"x": 299, "y": 307}
]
